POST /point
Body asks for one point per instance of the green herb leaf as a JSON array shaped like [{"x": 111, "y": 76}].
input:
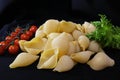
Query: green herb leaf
[{"x": 106, "y": 33}]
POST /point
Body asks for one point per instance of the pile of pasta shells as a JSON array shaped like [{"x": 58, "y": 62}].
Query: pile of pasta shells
[{"x": 60, "y": 45}]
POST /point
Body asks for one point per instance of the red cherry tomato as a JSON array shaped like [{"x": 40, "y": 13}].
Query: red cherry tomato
[
  {"x": 18, "y": 29},
  {"x": 2, "y": 50},
  {"x": 33, "y": 28},
  {"x": 16, "y": 42},
  {"x": 13, "y": 49},
  {"x": 3, "y": 44},
  {"x": 14, "y": 34},
  {"x": 9, "y": 38},
  {"x": 29, "y": 33},
  {"x": 24, "y": 37}
]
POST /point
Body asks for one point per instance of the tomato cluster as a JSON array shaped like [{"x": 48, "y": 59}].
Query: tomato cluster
[{"x": 11, "y": 41}]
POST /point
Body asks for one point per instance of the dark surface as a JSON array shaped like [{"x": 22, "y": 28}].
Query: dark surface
[
  {"x": 59, "y": 9},
  {"x": 35, "y": 12}
]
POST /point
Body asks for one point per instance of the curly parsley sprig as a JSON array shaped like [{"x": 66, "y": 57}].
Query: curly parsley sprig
[{"x": 106, "y": 33}]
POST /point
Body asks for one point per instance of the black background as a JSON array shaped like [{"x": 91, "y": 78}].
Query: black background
[
  {"x": 40, "y": 11},
  {"x": 60, "y": 9}
]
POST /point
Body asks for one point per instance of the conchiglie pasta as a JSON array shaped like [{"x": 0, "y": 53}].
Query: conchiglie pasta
[
  {"x": 39, "y": 32},
  {"x": 76, "y": 34},
  {"x": 48, "y": 59},
  {"x": 73, "y": 47},
  {"x": 67, "y": 26},
  {"x": 50, "y": 26},
  {"x": 94, "y": 46},
  {"x": 80, "y": 28},
  {"x": 48, "y": 45},
  {"x": 35, "y": 46},
  {"x": 77, "y": 47},
  {"x": 83, "y": 42},
  {"x": 65, "y": 63},
  {"x": 53, "y": 35},
  {"x": 23, "y": 59},
  {"x": 82, "y": 57},
  {"x": 101, "y": 61},
  {"x": 62, "y": 43},
  {"x": 88, "y": 27},
  {"x": 21, "y": 44}
]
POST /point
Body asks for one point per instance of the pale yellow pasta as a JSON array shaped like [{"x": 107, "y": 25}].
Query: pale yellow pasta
[
  {"x": 83, "y": 42},
  {"x": 101, "y": 61},
  {"x": 48, "y": 45},
  {"x": 69, "y": 36},
  {"x": 53, "y": 35},
  {"x": 77, "y": 47},
  {"x": 35, "y": 46},
  {"x": 23, "y": 59},
  {"x": 65, "y": 63},
  {"x": 72, "y": 48},
  {"x": 21, "y": 44},
  {"x": 50, "y": 26},
  {"x": 80, "y": 28},
  {"x": 39, "y": 32},
  {"x": 94, "y": 46},
  {"x": 62, "y": 43},
  {"x": 67, "y": 26},
  {"x": 88, "y": 27},
  {"x": 48, "y": 59},
  {"x": 76, "y": 34},
  {"x": 82, "y": 57}
]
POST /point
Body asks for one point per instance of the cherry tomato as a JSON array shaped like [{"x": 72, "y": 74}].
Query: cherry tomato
[
  {"x": 13, "y": 49},
  {"x": 33, "y": 28},
  {"x": 16, "y": 42},
  {"x": 2, "y": 50},
  {"x": 24, "y": 37},
  {"x": 9, "y": 38},
  {"x": 18, "y": 29},
  {"x": 3, "y": 44},
  {"x": 7, "y": 42},
  {"x": 14, "y": 34},
  {"x": 29, "y": 33}
]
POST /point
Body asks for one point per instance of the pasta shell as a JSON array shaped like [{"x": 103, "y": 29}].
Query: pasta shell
[
  {"x": 101, "y": 61},
  {"x": 65, "y": 63},
  {"x": 39, "y": 32},
  {"x": 35, "y": 46},
  {"x": 94, "y": 46},
  {"x": 50, "y": 26},
  {"x": 53, "y": 35},
  {"x": 48, "y": 59},
  {"x": 77, "y": 47},
  {"x": 72, "y": 48},
  {"x": 88, "y": 27},
  {"x": 48, "y": 45},
  {"x": 67, "y": 26},
  {"x": 23, "y": 59},
  {"x": 76, "y": 34},
  {"x": 21, "y": 44},
  {"x": 62, "y": 43},
  {"x": 83, "y": 42},
  {"x": 82, "y": 57},
  {"x": 69, "y": 36},
  {"x": 80, "y": 28}
]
